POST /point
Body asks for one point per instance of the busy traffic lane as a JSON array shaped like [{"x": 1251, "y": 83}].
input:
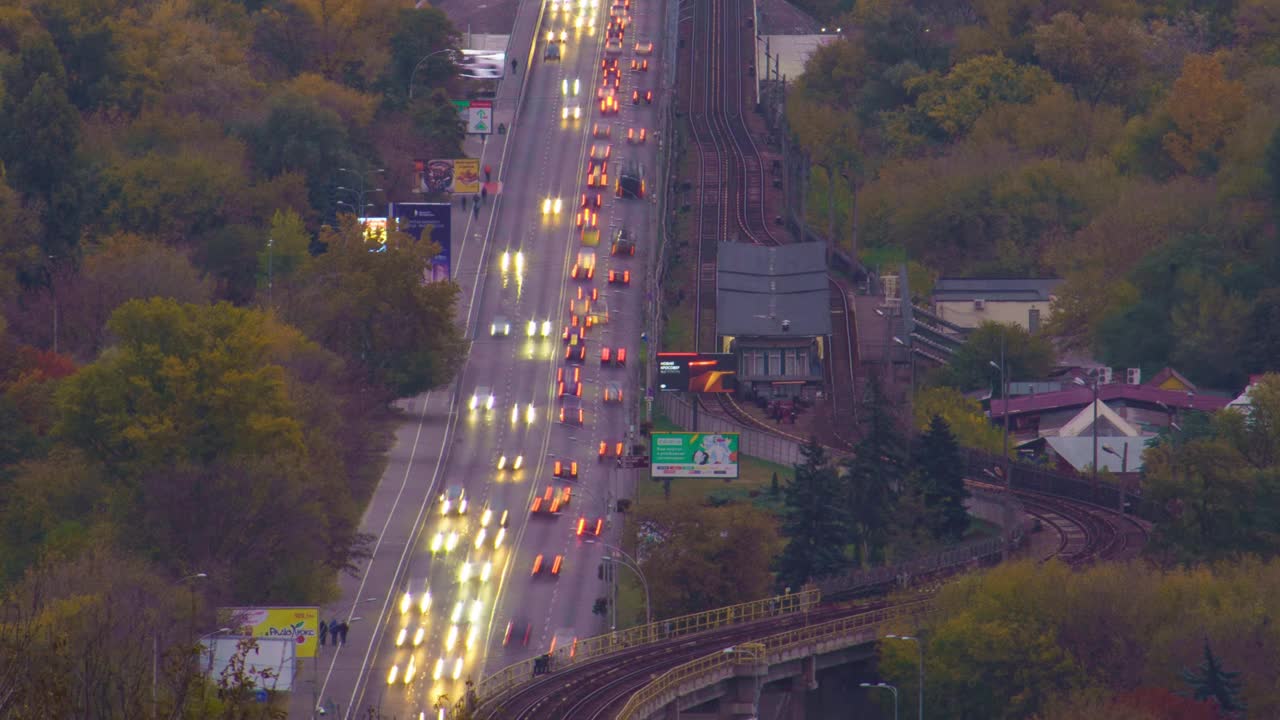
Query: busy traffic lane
[{"x": 518, "y": 370}]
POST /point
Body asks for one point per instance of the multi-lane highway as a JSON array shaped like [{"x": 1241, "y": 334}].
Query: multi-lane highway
[{"x": 472, "y": 591}]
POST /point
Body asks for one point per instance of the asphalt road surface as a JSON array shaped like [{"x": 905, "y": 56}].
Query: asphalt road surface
[{"x": 405, "y": 654}]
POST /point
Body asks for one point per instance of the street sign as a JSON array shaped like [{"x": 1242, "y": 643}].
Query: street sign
[{"x": 480, "y": 117}]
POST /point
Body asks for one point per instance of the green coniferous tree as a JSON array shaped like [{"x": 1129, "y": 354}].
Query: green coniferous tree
[
  {"x": 815, "y": 523},
  {"x": 1212, "y": 681},
  {"x": 939, "y": 479},
  {"x": 874, "y": 479}
]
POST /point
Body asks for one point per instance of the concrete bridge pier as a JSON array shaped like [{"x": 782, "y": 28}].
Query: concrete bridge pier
[{"x": 742, "y": 692}]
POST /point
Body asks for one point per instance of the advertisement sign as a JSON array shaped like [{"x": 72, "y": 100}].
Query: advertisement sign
[
  {"x": 483, "y": 64},
  {"x": 466, "y": 174},
  {"x": 697, "y": 372},
  {"x": 430, "y": 221},
  {"x": 446, "y": 176},
  {"x": 375, "y": 231},
  {"x": 693, "y": 455},
  {"x": 480, "y": 117},
  {"x": 271, "y": 665},
  {"x": 299, "y": 624}
]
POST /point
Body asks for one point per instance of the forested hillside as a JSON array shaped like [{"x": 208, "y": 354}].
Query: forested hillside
[
  {"x": 1128, "y": 147},
  {"x": 197, "y": 349}
]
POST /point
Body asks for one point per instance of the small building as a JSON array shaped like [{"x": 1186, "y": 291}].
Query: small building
[
  {"x": 969, "y": 302},
  {"x": 773, "y": 311}
]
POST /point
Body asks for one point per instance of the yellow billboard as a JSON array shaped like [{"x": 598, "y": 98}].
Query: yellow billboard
[
  {"x": 299, "y": 623},
  {"x": 466, "y": 175}
]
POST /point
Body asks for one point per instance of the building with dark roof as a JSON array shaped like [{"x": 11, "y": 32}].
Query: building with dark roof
[
  {"x": 773, "y": 310},
  {"x": 969, "y": 302}
]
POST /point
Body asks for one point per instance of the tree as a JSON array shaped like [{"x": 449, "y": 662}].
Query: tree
[
  {"x": 1212, "y": 681},
  {"x": 437, "y": 122},
  {"x": 419, "y": 33},
  {"x": 965, "y": 417},
  {"x": 1025, "y": 356},
  {"x": 874, "y": 478},
  {"x": 1261, "y": 338},
  {"x": 375, "y": 311},
  {"x": 705, "y": 557},
  {"x": 287, "y": 250},
  {"x": 301, "y": 135},
  {"x": 954, "y": 101},
  {"x": 938, "y": 476},
  {"x": 815, "y": 522},
  {"x": 1204, "y": 106},
  {"x": 1099, "y": 56}
]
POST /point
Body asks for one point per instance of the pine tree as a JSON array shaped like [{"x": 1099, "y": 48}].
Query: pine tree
[
  {"x": 1211, "y": 681},
  {"x": 939, "y": 479},
  {"x": 815, "y": 524},
  {"x": 874, "y": 479}
]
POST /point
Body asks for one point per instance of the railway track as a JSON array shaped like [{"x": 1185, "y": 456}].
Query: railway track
[
  {"x": 597, "y": 690},
  {"x": 731, "y": 186}
]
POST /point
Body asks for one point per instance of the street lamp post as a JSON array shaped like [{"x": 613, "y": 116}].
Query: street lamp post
[
  {"x": 155, "y": 647},
  {"x": 420, "y": 63},
  {"x": 361, "y": 190},
  {"x": 629, "y": 562},
  {"x": 1082, "y": 383},
  {"x": 1004, "y": 400},
  {"x": 890, "y": 688},
  {"x": 1124, "y": 469},
  {"x": 920, "y": 648}
]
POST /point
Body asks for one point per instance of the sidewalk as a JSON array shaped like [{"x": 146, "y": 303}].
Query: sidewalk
[{"x": 332, "y": 680}]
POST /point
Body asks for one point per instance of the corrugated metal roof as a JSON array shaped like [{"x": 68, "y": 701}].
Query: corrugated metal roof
[
  {"x": 1078, "y": 451},
  {"x": 1022, "y": 289},
  {"x": 1080, "y": 396},
  {"x": 758, "y": 287}
]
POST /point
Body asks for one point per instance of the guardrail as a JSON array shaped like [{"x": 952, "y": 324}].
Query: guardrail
[
  {"x": 513, "y": 676},
  {"x": 712, "y": 668},
  {"x": 856, "y": 582}
]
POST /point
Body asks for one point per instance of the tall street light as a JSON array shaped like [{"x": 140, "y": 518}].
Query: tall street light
[
  {"x": 1082, "y": 383},
  {"x": 1004, "y": 400},
  {"x": 629, "y": 562},
  {"x": 890, "y": 688},
  {"x": 420, "y": 62},
  {"x": 361, "y": 189},
  {"x": 1124, "y": 470},
  {"x": 920, "y": 648},
  {"x": 155, "y": 646}
]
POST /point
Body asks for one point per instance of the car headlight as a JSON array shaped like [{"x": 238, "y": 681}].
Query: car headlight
[
  {"x": 546, "y": 328},
  {"x": 529, "y": 415},
  {"x": 519, "y": 261},
  {"x": 475, "y": 402},
  {"x": 493, "y": 329},
  {"x": 532, "y": 328},
  {"x": 519, "y": 463},
  {"x": 546, "y": 202},
  {"x": 506, "y": 259},
  {"x": 488, "y": 403},
  {"x": 557, "y": 204},
  {"x": 564, "y": 86}
]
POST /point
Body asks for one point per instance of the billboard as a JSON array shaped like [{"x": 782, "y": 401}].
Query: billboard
[
  {"x": 299, "y": 624},
  {"x": 693, "y": 455},
  {"x": 697, "y": 372},
  {"x": 432, "y": 221},
  {"x": 375, "y": 231},
  {"x": 272, "y": 665},
  {"x": 461, "y": 175},
  {"x": 466, "y": 174},
  {"x": 483, "y": 64}
]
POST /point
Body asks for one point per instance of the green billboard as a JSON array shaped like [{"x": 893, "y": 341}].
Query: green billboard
[{"x": 693, "y": 455}]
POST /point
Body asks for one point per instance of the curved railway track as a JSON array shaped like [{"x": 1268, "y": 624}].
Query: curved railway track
[
  {"x": 597, "y": 690},
  {"x": 731, "y": 189}
]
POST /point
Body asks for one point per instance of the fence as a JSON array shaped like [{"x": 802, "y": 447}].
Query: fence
[
  {"x": 852, "y": 630},
  {"x": 755, "y": 443},
  {"x": 513, "y": 676}
]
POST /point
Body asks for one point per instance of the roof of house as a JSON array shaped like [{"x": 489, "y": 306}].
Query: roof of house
[
  {"x": 758, "y": 287},
  {"x": 1170, "y": 379},
  {"x": 1082, "y": 396},
  {"x": 995, "y": 289},
  {"x": 1078, "y": 452},
  {"x": 1082, "y": 423}
]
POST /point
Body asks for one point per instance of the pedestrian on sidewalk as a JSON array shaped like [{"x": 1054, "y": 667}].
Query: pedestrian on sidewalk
[
  {"x": 484, "y": 192},
  {"x": 333, "y": 631},
  {"x": 324, "y": 632},
  {"x": 464, "y": 202},
  {"x": 342, "y": 632},
  {"x": 488, "y": 171},
  {"x": 476, "y": 210}
]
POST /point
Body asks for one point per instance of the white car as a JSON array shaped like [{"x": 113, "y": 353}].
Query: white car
[
  {"x": 500, "y": 327},
  {"x": 453, "y": 500},
  {"x": 566, "y": 86},
  {"x": 571, "y": 111},
  {"x": 482, "y": 398},
  {"x": 552, "y": 205}
]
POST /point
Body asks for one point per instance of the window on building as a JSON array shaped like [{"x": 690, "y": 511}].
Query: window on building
[
  {"x": 1033, "y": 320},
  {"x": 775, "y": 363},
  {"x": 793, "y": 366}
]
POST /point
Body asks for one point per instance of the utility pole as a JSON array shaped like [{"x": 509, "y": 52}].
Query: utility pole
[{"x": 271, "y": 247}]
